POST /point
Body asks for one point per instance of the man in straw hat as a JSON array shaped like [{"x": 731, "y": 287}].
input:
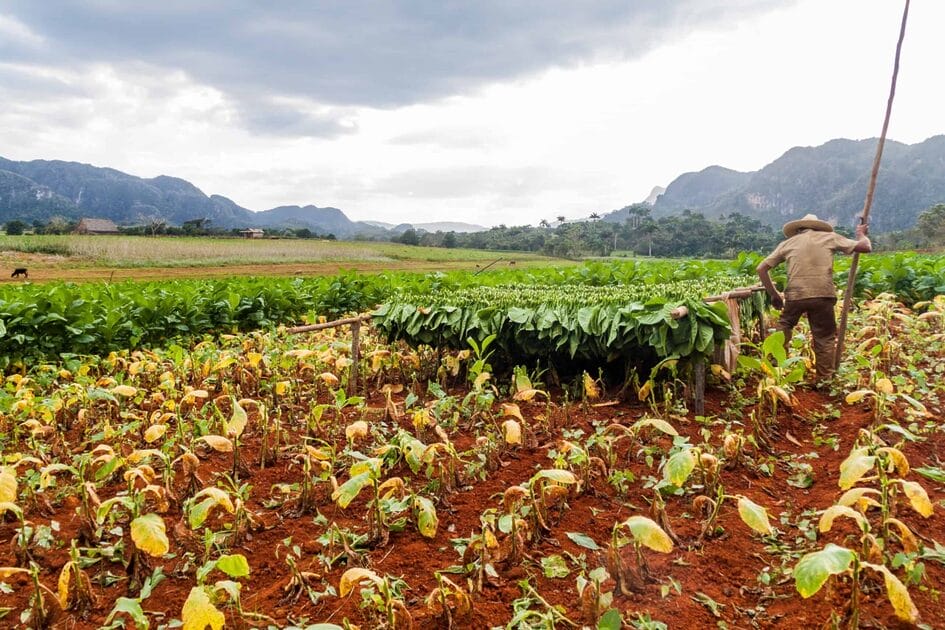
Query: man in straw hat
[{"x": 810, "y": 291}]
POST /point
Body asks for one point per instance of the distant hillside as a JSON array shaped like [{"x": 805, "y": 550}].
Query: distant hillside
[
  {"x": 40, "y": 189},
  {"x": 829, "y": 180}
]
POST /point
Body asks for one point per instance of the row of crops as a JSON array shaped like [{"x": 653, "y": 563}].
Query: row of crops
[{"x": 43, "y": 321}]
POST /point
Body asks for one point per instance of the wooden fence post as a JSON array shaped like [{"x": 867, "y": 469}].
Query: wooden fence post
[{"x": 355, "y": 357}]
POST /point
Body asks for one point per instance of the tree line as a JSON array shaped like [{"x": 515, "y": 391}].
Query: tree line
[{"x": 686, "y": 234}]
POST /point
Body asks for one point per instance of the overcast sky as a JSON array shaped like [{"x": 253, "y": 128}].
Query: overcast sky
[{"x": 484, "y": 111}]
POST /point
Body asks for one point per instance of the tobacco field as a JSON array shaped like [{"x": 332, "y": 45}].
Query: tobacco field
[{"x": 519, "y": 450}]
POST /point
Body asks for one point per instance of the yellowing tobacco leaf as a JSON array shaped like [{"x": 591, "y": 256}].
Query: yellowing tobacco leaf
[
  {"x": 854, "y": 467},
  {"x": 918, "y": 498},
  {"x": 155, "y": 432},
  {"x": 885, "y": 386},
  {"x": 855, "y": 397},
  {"x": 238, "y": 420},
  {"x": 8, "y": 489},
  {"x": 835, "y": 511},
  {"x": 125, "y": 390},
  {"x": 512, "y": 431},
  {"x": 199, "y": 612},
  {"x": 329, "y": 379},
  {"x": 218, "y": 443},
  {"x": 897, "y": 593},
  {"x": 511, "y": 409},
  {"x": 754, "y": 515},
  {"x": 65, "y": 579},
  {"x": 648, "y": 533},
  {"x": 356, "y": 430},
  {"x": 591, "y": 390},
  {"x": 150, "y": 535}
]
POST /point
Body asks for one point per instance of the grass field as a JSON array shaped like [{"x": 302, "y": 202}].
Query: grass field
[{"x": 78, "y": 258}]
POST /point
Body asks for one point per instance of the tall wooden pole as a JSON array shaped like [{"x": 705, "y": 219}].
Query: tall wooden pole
[{"x": 867, "y": 204}]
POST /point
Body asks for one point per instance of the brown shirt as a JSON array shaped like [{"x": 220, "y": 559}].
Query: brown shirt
[{"x": 809, "y": 256}]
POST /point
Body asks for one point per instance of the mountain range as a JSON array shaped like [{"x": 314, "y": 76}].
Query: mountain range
[{"x": 829, "y": 180}]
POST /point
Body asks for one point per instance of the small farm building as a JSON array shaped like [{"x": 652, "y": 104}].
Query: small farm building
[
  {"x": 252, "y": 233},
  {"x": 96, "y": 226}
]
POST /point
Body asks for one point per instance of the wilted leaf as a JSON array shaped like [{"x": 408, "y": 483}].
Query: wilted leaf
[
  {"x": 238, "y": 419},
  {"x": 124, "y": 390},
  {"x": 884, "y": 386},
  {"x": 860, "y": 498},
  {"x": 154, "y": 432},
  {"x": 356, "y": 430},
  {"x": 512, "y": 431},
  {"x": 591, "y": 390},
  {"x": 657, "y": 423},
  {"x": 836, "y": 511},
  {"x": 511, "y": 409},
  {"x": 855, "y": 397},
  {"x": 556, "y": 475},
  {"x": 427, "y": 520},
  {"x": 218, "y": 443},
  {"x": 918, "y": 497},
  {"x": 353, "y": 577},
  {"x": 347, "y": 491}
]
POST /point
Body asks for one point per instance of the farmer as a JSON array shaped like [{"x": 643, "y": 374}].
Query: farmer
[{"x": 810, "y": 291}]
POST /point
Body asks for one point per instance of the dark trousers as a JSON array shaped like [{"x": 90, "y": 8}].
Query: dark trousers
[{"x": 823, "y": 328}]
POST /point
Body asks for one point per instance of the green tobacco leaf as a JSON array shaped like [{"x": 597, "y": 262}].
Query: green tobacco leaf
[
  {"x": 554, "y": 566},
  {"x": 132, "y": 608},
  {"x": 813, "y": 569},
  {"x": 680, "y": 466},
  {"x": 583, "y": 540},
  {"x": 931, "y": 472},
  {"x": 754, "y": 516},
  {"x": 610, "y": 620},
  {"x": 235, "y": 565},
  {"x": 350, "y": 489},
  {"x": 427, "y": 520}
]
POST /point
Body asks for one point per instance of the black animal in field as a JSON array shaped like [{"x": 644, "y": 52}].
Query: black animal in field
[{"x": 20, "y": 271}]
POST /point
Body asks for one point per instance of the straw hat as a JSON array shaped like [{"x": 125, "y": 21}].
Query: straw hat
[{"x": 808, "y": 222}]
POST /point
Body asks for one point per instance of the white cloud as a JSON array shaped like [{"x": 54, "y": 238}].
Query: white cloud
[{"x": 568, "y": 139}]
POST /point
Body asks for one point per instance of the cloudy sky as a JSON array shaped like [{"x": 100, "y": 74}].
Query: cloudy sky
[{"x": 486, "y": 111}]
